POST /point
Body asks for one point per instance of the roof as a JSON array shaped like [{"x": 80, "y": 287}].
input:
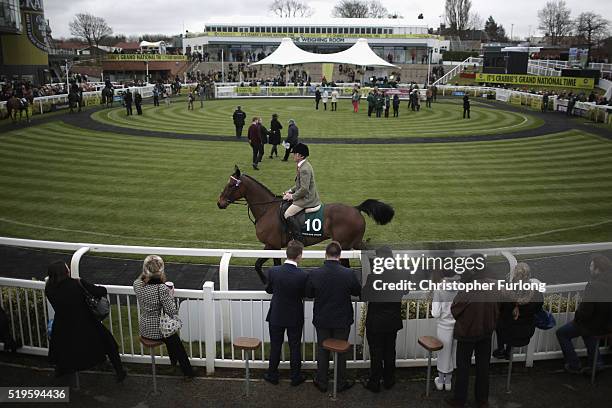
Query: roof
[
  {"x": 152, "y": 44},
  {"x": 292, "y": 22},
  {"x": 360, "y": 53},
  {"x": 127, "y": 45}
]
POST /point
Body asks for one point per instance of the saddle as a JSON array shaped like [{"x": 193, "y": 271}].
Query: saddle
[{"x": 311, "y": 219}]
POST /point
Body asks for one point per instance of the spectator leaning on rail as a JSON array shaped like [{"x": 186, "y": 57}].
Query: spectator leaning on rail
[
  {"x": 79, "y": 341},
  {"x": 331, "y": 286},
  {"x": 476, "y": 315},
  {"x": 153, "y": 298},
  {"x": 286, "y": 283},
  {"x": 383, "y": 320},
  {"x": 593, "y": 316},
  {"x": 516, "y": 324}
]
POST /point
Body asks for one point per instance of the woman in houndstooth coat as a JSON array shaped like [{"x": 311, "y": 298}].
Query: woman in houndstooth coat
[{"x": 153, "y": 297}]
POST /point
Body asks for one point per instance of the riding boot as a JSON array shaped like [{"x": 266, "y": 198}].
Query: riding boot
[{"x": 295, "y": 228}]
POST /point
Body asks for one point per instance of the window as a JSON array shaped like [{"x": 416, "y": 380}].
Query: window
[
  {"x": 362, "y": 30},
  {"x": 274, "y": 29},
  {"x": 368, "y": 30},
  {"x": 346, "y": 30},
  {"x": 290, "y": 30},
  {"x": 252, "y": 30},
  {"x": 318, "y": 30},
  {"x": 379, "y": 30}
]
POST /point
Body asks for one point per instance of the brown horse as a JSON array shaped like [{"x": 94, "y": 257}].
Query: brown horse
[
  {"x": 14, "y": 105},
  {"x": 342, "y": 223}
]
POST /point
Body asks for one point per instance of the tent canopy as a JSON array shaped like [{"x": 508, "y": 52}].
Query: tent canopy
[
  {"x": 290, "y": 54},
  {"x": 152, "y": 44}
]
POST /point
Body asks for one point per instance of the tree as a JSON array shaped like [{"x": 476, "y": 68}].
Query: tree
[
  {"x": 592, "y": 27},
  {"x": 361, "y": 9},
  {"x": 459, "y": 17},
  {"x": 90, "y": 28},
  {"x": 494, "y": 31},
  {"x": 555, "y": 20},
  {"x": 291, "y": 8}
]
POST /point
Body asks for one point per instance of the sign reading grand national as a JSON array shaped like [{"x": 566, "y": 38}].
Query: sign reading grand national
[
  {"x": 562, "y": 82},
  {"x": 145, "y": 57}
]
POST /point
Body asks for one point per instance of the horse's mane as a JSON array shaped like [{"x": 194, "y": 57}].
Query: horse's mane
[{"x": 261, "y": 185}]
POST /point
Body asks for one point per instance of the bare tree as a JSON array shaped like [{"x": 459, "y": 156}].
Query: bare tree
[
  {"x": 291, "y": 8},
  {"x": 555, "y": 20},
  {"x": 360, "y": 9},
  {"x": 90, "y": 28},
  {"x": 458, "y": 15},
  {"x": 593, "y": 27}
]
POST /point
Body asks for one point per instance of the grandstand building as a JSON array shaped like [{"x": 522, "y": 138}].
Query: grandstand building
[{"x": 395, "y": 40}]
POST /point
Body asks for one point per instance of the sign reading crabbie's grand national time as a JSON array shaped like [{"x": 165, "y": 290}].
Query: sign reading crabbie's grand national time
[{"x": 536, "y": 80}]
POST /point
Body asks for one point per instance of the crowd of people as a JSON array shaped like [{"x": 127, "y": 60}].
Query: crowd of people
[{"x": 466, "y": 321}]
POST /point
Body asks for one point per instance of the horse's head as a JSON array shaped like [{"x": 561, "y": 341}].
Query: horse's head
[{"x": 234, "y": 190}]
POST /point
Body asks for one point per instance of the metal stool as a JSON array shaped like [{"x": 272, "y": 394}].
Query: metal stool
[
  {"x": 596, "y": 354},
  {"x": 509, "y": 377},
  {"x": 430, "y": 344},
  {"x": 336, "y": 346},
  {"x": 151, "y": 344},
  {"x": 247, "y": 344}
]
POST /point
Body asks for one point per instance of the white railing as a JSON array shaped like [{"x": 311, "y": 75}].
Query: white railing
[
  {"x": 212, "y": 319},
  {"x": 546, "y": 67},
  {"x": 444, "y": 79}
]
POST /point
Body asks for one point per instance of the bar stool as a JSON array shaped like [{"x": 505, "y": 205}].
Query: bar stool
[
  {"x": 151, "y": 344},
  {"x": 430, "y": 344},
  {"x": 247, "y": 344},
  {"x": 596, "y": 354},
  {"x": 336, "y": 346}
]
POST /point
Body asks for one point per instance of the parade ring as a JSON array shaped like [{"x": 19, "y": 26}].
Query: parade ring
[{"x": 444, "y": 119}]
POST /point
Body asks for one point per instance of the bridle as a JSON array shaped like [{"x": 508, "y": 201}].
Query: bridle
[{"x": 244, "y": 201}]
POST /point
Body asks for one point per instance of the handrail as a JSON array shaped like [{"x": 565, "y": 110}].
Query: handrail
[{"x": 450, "y": 74}]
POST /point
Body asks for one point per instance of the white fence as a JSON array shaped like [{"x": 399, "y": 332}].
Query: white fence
[{"x": 214, "y": 318}]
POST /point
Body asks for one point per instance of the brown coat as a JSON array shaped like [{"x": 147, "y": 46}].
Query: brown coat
[{"x": 475, "y": 314}]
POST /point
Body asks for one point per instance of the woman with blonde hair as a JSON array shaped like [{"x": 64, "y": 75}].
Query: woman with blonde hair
[
  {"x": 155, "y": 297},
  {"x": 516, "y": 323}
]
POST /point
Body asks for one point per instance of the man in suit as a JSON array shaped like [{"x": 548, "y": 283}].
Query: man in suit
[
  {"x": 331, "y": 286},
  {"x": 286, "y": 284},
  {"x": 303, "y": 194}
]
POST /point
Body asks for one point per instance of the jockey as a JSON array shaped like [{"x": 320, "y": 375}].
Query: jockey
[{"x": 304, "y": 194}]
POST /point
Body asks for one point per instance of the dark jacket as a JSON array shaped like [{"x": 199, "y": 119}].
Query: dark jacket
[
  {"x": 594, "y": 314},
  {"x": 292, "y": 135},
  {"x": 239, "y": 117},
  {"x": 476, "y": 314},
  {"x": 384, "y": 307},
  {"x": 138, "y": 99},
  {"x": 466, "y": 102},
  {"x": 263, "y": 133},
  {"x": 331, "y": 286},
  {"x": 127, "y": 98},
  {"x": 275, "y": 134},
  {"x": 317, "y": 95},
  {"x": 77, "y": 338},
  {"x": 517, "y": 333},
  {"x": 254, "y": 134},
  {"x": 286, "y": 283},
  {"x": 396, "y": 101}
]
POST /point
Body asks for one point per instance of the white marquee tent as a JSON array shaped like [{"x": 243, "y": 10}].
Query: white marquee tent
[{"x": 359, "y": 54}]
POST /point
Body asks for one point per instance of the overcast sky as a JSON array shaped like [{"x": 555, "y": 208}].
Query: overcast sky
[{"x": 169, "y": 17}]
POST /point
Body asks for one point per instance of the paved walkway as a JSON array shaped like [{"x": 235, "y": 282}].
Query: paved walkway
[{"x": 540, "y": 387}]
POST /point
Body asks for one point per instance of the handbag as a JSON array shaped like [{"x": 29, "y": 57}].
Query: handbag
[
  {"x": 544, "y": 320},
  {"x": 168, "y": 325},
  {"x": 99, "y": 306}
]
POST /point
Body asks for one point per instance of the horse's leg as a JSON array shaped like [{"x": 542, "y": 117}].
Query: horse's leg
[{"x": 258, "y": 268}]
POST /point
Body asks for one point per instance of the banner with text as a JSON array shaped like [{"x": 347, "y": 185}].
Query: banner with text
[
  {"x": 535, "y": 80},
  {"x": 145, "y": 57}
]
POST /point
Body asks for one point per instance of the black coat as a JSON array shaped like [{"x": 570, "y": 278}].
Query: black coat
[
  {"x": 292, "y": 135},
  {"x": 286, "y": 283},
  {"x": 263, "y": 134},
  {"x": 517, "y": 333},
  {"x": 77, "y": 338},
  {"x": 594, "y": 314},
  {"x": 384, "y": 307},
  {"x": 275, "y": 134},
  {"x": 239, "y": 117},
  {"x": 331, "y": 286}
]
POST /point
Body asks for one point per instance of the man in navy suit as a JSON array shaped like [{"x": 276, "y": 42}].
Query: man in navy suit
[
  {"x": 286, "y": 284},
  {"x": 331, "y": 286}
]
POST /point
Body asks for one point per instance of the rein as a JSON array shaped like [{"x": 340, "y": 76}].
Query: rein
[{"x": 244, "y": 201}]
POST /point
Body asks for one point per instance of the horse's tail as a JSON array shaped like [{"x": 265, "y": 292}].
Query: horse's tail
[{"x": 380, "y": 212}]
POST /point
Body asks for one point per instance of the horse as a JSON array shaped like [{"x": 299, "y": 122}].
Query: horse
[
  {"x": 341, "y": 222},
  {"x": 107, "y": 96},
  {"x": 75, "y": 99},
  {"x": 14, "y": 105}
]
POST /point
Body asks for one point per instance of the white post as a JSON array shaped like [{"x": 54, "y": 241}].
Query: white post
[
  {"x": 224, "y": 285},
  {"x": 147, "y": 77},
  {"x": 210, "y": 335},
  {"x": 67, "y": 81},
  {"x": 76, "y": 259}
]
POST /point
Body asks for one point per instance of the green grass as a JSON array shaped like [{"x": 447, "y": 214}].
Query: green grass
[
  {"x": 67, "y": 184},
  {"x": 444, "y": 119}
]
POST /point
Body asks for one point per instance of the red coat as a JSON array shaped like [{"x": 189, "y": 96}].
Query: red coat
[{"x": 254, "y": 134}]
